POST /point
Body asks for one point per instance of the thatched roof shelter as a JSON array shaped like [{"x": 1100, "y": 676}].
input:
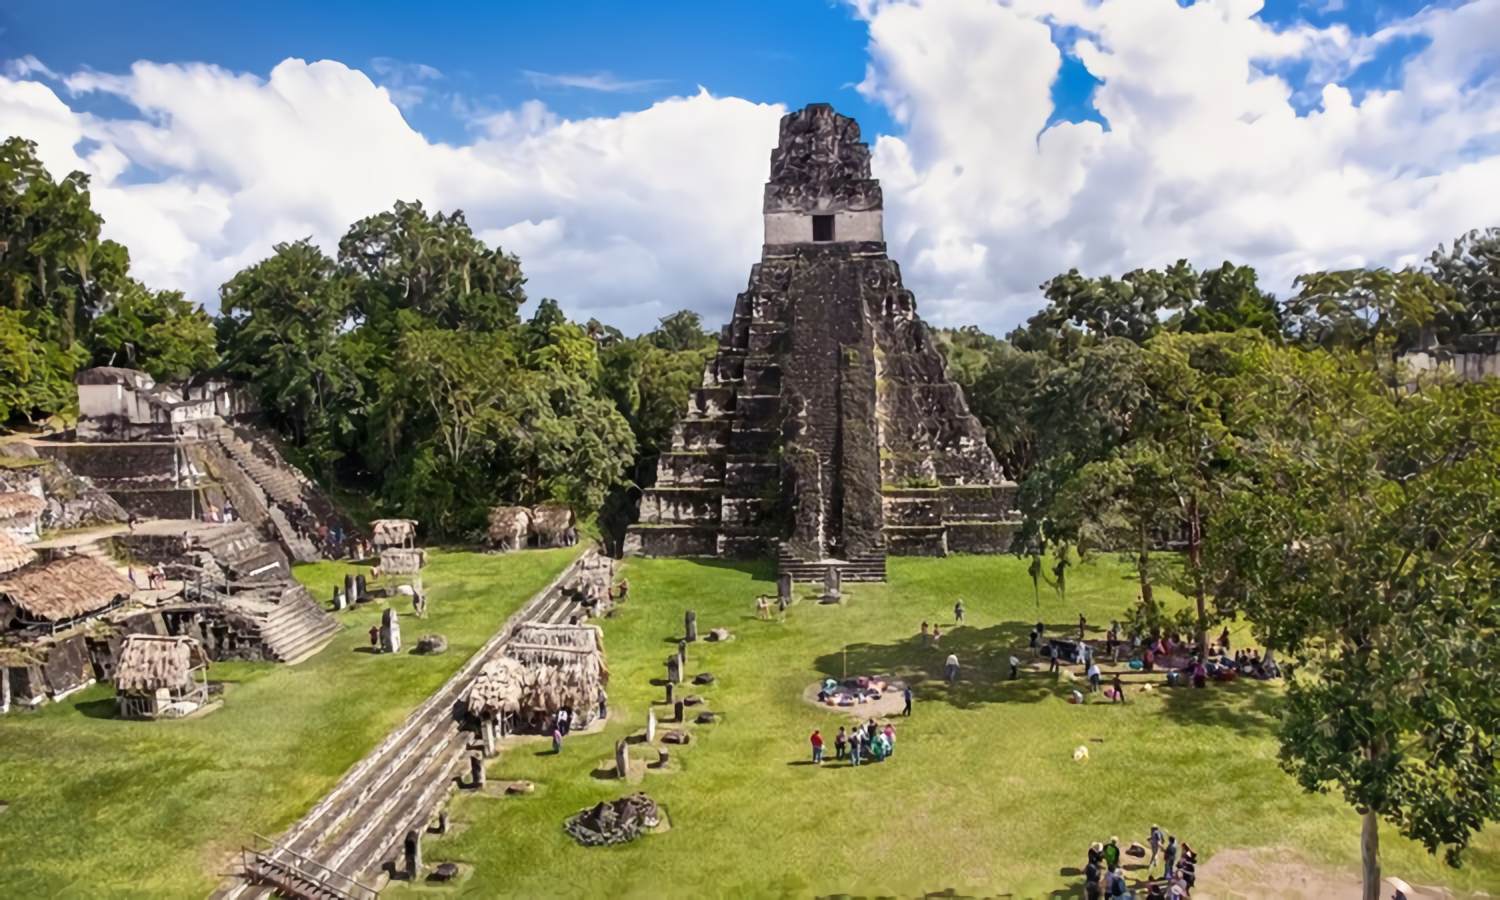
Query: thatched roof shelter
[
  {"x": 402, "y": 560},
  {"x": 550, "y": 523},
  {"x": 150, "y": 662},
  {"x": 497, "y": 690},
  {"x": 63, "y": 589},
  {"x": 509, "y": 527},
  {"x": 393, "y": 532},
  {"x": 20, "y": 505},
  {"x": 563, "y": 666},
  {"x": 14, "y": 554}
]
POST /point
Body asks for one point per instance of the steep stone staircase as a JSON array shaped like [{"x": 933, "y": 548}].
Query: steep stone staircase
[
  {"x": 264, "y": 491},
  {"x": 359, "y": 825},
  {"x": 867, "y": 567},
  {"x": 297, "y": 628}
]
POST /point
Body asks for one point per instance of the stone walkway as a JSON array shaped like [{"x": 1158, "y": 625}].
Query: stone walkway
[{"x": 358, "y": 827}]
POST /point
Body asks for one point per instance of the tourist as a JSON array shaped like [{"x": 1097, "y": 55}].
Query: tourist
[
  {"x": 1052, "y": 654},
  {"x": 1082, "y": 623},
  {"x": 763, "y": 607},
  {"x": 925, "y": 635},
  {"x": 1015, "y": 668},
  {"x": 1169, "y": 856},
  {"x": 1036, "y": 637},
  {"x": 374, "y": 635},
  {"x": 557, "y": 737},
  {"x": 1112, "y": 853},
  {"x": 1200, "y": 674},
  {"x": 958, "y": 612},
  {"x": 562, "y": 721},
  {"x": 1112, "y": 637},
  {"x": 1119, "y": 687},
  {"x": 1116, "y": 884},
  {"x": 1091, "y": 880},
  {"x": 1154, "y": 841},
  {"x": 1224, "y": 639},
  {"x": 856, "y": 746},
  {"x": 937, "y": 634},
  {"x": 1149, "y": 660},
  {"x": 1093, "y": 671},
  {"x": 889, "y": 733},
  {"x": 840, "y": 743},
  {"x": 817, "y": 747},
  {"x": 906, "y": 696},
  {"x": 950, "y": 668}
]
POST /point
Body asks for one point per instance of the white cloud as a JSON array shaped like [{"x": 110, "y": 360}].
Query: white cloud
[
  {"x": 631, "y": 216},
  {"x": 1205, "y": 156},
  {"x": 593, "y": 81},
  {"x": 627, "y": 218}
]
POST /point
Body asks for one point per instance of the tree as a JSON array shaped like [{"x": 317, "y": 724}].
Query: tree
[
  {"x": 156, "y": 331},
  {"x": 1364, "y": 550},
  {"x": 283, "y": 336},
  {"x": 682, "y": 330},
  {"x": 432, "y": 265},
  {"x": 1472, "y": 271},
  {"x": 1230, "y": 300},
  {"x": 36, "y": 375},
  {"x": 1367, "y": 309}
]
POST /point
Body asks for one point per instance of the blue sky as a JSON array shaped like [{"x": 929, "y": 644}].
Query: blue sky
[{"x": 549, "y": 123}]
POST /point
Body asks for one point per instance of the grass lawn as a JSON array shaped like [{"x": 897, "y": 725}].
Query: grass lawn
[
  {"x": 982, "y": 796},
  {"x": 99, "y": 807}
]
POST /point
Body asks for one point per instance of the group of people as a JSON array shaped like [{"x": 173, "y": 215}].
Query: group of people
[
  {"x": 869, "y": 742},
  {"x": 1104, "y": 874},
  {"x": 156, "y": 577}
]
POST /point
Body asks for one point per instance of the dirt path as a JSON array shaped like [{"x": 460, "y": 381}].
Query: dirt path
[{"x": 1283, "y": 875}]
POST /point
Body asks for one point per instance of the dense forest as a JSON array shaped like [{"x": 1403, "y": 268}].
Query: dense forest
[{"x": 1274, "y": 444}]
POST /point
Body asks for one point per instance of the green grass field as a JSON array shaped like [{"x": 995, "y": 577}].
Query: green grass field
[
  {"x": 99, "y": 807},
  {"x": 982, "y": 796}
]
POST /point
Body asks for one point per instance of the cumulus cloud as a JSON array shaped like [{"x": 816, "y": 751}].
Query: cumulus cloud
[
  {"x": 1223, "y": 137},
  {"x": 1204, "y": 155}
]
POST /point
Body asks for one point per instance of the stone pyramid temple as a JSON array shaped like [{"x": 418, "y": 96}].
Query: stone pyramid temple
[{"x": 826, "y": 430}]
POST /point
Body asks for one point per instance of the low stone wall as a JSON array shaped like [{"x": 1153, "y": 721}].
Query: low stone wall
[
  {"x": 671, "y": 540},
  {"x": 161, "y": 503}
]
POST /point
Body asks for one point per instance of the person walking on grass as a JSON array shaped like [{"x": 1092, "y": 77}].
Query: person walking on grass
[
  {"x": 890, "y": 739},
  {"x": 556, "y": 740},
  {"x": 1169, "y": 856},
  {"x": 817, "y": 747},
  {"x": 950, "y": 668},
  {"x": 1015, "y": 668},
  {"x": 1119, "y": 687},
  {"x": 906, "y": 696},
  {"x": 937, "y": 634},
  {"x": 840, "y": 742},
  {"x": 1093, "y": 677},
  {"x": 1154, "y": 841},
  {"x": 856, "y": 746},
  {"x": 958, "y": 612},
  {"x": 1112, "y": 854}
]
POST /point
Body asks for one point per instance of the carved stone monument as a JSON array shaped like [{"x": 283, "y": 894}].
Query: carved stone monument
[
  {"x": 674, "y": 669},
  {"x": 390, "y": 632},
  {"x": 622, "y": 759},
  {"x": 413, "y": 847},
  {"x": 650, "y": 726},
  {"x": 784, "y": 589},
  {"x": 690, "y": 626},
  {"x": 826, "y": 427}
]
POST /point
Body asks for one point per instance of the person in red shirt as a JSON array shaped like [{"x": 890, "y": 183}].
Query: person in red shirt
[{"x": 817, "y": 745}]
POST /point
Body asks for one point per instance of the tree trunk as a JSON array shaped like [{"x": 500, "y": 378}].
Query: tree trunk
[
  {"x": 1195, "y": 559},
  {"x": 1369, "y": 846},
  {"x": 1143, "y": 569}
]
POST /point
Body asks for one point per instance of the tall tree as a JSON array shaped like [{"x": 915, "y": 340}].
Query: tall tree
[
  {"x": 1471, "y": 269},
  {"x": 285, "y": 314},
  {"x": 1367, "y": 309},
  {"x": 157, "y": 331},
  {"x": 1364, "y": 550}
]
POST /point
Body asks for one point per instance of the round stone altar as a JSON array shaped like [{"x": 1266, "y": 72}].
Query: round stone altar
[{"x": 861, "y": 696}]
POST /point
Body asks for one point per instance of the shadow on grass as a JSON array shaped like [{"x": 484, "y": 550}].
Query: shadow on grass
[
  {"x": 984, "y": 666},
  {"x": 105, "y": 708},
  {"x": 1247, "y": 706}
]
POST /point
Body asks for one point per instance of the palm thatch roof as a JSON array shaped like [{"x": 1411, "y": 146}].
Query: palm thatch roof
[
  {"x": 18, "y": 504},
  {"x": 393, "y": 532},
  {"x": 64, "y": 588},
  {"x": 509, "y": 523},
  {"x": 563, "y": 665},
  {"x": 551, "y": 520},
  {"x": 14, "y": 554},
  {"x": 150, "y": 662},
  {"x": 496, "y": 690},
  {"x": 402, "y": 561}
]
